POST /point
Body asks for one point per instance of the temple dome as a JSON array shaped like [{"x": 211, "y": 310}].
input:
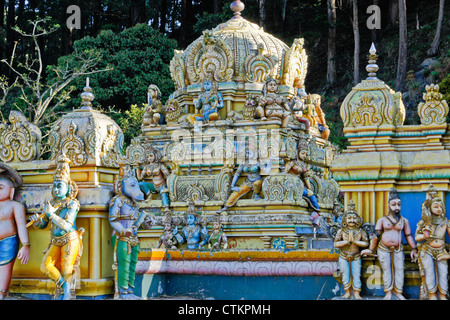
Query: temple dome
[
  {"x": 372, "y": 107},
  {"x": 238, "y": 51},
  {"x": 87, "y": 136}
]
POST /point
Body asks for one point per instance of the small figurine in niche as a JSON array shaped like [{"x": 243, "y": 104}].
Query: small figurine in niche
[
  {"x": 350, "y": 239},
  {"x": 313, "y": 107},
  {"x": 62, "y": 256},
  {"x": 193, "y": 234},
  {"x": 433, "y": 257},
  {"x": 209, "y": 101},
  {"x": 253, "y": 181},
  {"x": 338, "y": 211},
  {"x": 298, "y": 103},
  {"x": 153, "y": 113},
  {"x": 388, "y": 241},
  {"x": 158, "y": 172},
  {"x": 250, "y": 106},
  {"x": 13, "y": 230},
  {"x": 217, "y": 239},
  {"x": 125, "y": 220},
  {"x": 301, "y": 168},
  {"x": 272, "y": 104},
  {"x": 167, "y": 238}
]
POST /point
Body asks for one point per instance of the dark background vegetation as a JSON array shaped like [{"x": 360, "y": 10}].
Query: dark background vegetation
[{"x": 136, "y": 40}]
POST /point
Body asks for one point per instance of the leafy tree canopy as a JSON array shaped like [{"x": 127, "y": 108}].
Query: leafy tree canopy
[{"x": 137, "y": 57}]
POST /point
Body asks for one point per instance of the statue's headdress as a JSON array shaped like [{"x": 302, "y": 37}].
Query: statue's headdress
[
  {"x": 302, "y": 144},
  {"x": 351, "y": 210},
  {"x": 148, "y": 148},
  {"x": 431, "y": 192},
  {"x": 125, "y": 171},
  {"x": 156, "y": 89},
  {"x": 191, "y": 209},
  {"x": 393, "y": 195},
  {"x": 10, "y": 174},
  {"x": 62, "y": 173},
  {"x": 264, "y": 89}
]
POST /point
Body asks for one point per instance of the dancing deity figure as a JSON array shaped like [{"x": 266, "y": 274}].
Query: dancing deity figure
[
  {"x": 153, "y": 113},
  {"x": 350, "y": 239},
  {"x": 13, "y": 230},
  {"x": 62, "y": 257},
  {"x": 217, "y": 239},
  {"x": 388, "y": 237},
  {"x": 253, "y": 181},
  {"x": 125, "y": 220},
  {"x": 193, "y": 234},
  {"x": 158, "y": 172},
  {"x": 433, "y": 265},
  {"x": 209, "y": 101},
  {"x": 272, "y": 104},
  {"x": 301, "y": 168}
]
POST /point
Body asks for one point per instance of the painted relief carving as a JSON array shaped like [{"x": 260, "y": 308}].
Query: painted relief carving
[{"x": 20, "y": 140}]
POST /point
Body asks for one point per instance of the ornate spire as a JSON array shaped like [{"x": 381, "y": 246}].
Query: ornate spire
[
  {"x": 87, "y": 96},
  {"x": 372, "y": 67},
  {"x": 237, "y": 7}
]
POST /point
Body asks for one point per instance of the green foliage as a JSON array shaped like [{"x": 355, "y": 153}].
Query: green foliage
[
  {"x": 444, "y": 88},
  {"x": 130, "y": 122},
  {"x": 137, "y": 57}
]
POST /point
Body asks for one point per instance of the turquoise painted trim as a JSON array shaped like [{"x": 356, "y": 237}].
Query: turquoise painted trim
[{"x": 237, "y": 288}]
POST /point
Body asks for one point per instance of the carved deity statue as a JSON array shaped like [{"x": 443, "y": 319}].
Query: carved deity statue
[
  {"x": 253, "y": 181},
  {"x": 209, "y": 102},
  {"x": 300, "y": 168},
  {"x": 168, "y": 238},
  {"x": 158, "y": 172},
  {"x": 388, "y": 241},
  {"x": 217, "y": 238},
  {"x": 298, "y": 103},
  {"x": 125, "y": 220},
  {"x": 272, "y": 104},
  {"x": 314, "y": 113},
  {"x": 13, "y": 230},
  {"x": 62, "y": 256},
  {"x": 193, "y": 234},
  {"x": 153, "y": 113},
  {"x": 431, "y": 232},
  {"x": 350, "y": 239}
]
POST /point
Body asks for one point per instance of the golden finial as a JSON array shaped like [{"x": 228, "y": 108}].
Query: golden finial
[
  {"x": 237, "y": 6},
  {"x": 372, "y": 67},
  {"x": 87, "y": 96}
]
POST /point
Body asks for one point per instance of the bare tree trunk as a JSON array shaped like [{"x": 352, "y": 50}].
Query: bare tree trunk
[
  {"x": 283, "y": 16},
  {"x": 331, "y": 64},
  {"x": 162, "y": 27},
  {"x": 357, "y": 43},
  {"x": 403, "y": 46},
  {"x": 393, "y": 12},
  {"x": 435, "y": 44},
  {"x": 2, "y": 25},
  {"x": 10, "y": 34},
  {"x": 262, "y": 13},
  {"x": 216, "y": 6}
]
